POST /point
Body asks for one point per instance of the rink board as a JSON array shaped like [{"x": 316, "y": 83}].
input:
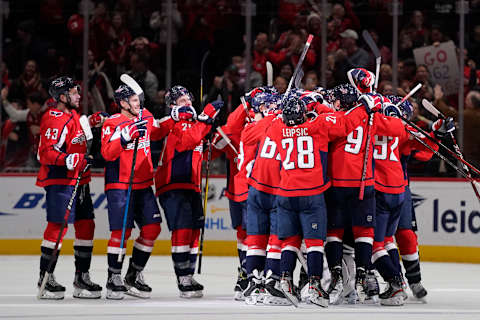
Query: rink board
[{"x": 447, "y": 211}]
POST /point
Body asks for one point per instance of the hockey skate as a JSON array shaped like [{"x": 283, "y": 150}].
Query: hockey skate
[
  {"x": 115, "y": 287},
  {"x": 419, "y": 292},
  {"x": 335, "y": 290},
  {"x": 189, "y": 288},
  {"x": 393, "y": 295},
  {"x": 241, "y": 285},
  {"x": 84, "y": 288},
  {"x": 318, "y": 296},
  {"x": 273, "y": 294},
  {"x": 254, "y": 293},
  {"x": 135, "y": 284},
  {"x": 53, "y": 290},
  {"x": 286, "y": 284},
  {"x": 373, "y": 288},
  {"x": 361, "y": 285}
]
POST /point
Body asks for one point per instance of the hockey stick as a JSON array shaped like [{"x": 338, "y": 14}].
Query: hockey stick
[
  {"x": 125, "y": 78},
  {"x": 298, "y": 79},
  {"x": 412, "y": 124},
  {"x": 427, "y": 105},
  {"x": 269, "y": 74},
  {"x": 209, "y": 156},
  {"x": 87, "y": 131},
  {"x": 245, "y": 107},
  {"x": 297, "y": 68},
  {"x": 53, "y": 257},
  {"x": 227, "y": 140},
  {"x": 205, "y": 203},
  {"x": 378, "y": 58},
  {"x": 441, "y": 156},
  {"x": 204, "y": 58}
]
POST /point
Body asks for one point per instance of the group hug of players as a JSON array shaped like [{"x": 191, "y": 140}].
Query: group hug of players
[{"x": 304, "y": 181}]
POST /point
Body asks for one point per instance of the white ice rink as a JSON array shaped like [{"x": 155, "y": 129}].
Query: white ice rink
[{"x": 454, "y": 293}]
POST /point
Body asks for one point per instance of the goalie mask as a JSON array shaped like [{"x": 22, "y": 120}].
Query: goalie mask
[{"x": 362, "y": 79}]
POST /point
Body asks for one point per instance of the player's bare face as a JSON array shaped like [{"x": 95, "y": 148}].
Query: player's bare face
[
  {"x": 74, "y": 97},
  {"x": 184, "y": 101},
  {"x": 134, "y": 104}
]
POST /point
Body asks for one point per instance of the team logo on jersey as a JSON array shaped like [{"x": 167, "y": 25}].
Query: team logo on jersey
[
  {"x": 369, "y": 218},
  {"x": 314, "y": 226},
  {"x": 56, "y": 113},
  {"x": 79, "y": 139}
]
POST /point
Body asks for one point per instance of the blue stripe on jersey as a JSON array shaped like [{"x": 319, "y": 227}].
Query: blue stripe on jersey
[
  {"x": 306, "y": 189},
  {"x": 181, "y": 171},
  {"x": 324, "y": 161}
]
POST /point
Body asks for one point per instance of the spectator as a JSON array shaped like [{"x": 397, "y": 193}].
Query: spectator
[
  {"x": 29, "y": 81},
  {"x": 120, "y": 40},
  {"x": 385, "y": 52},
  {"x": 345, "y": 16},
  {"x": 437, "y": 36},
  {"x": 227, "y": 88},
  {"x": 145, "y": 78},
  {"x": 260, "y": 49},
  {"x": 385, "y": 87},
  {"x": 286, "y": 71},
  {"x": 385, "y": 72},
  {"x": 416, "y": 29},
  {"x": 310, "y": 80},
  {"x": 280, "y": 84},
  {"x": 474, "y": 45},
  {"x": 349, "y": 56},
  {"x": 158, "y": 23}
]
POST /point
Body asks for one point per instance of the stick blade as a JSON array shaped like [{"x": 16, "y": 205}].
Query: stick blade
[
  {"x": 373, "y": 46},
  {"x": 129, "y": 81},
  {"x": 269, "y": 73},
  {"x": 430, "y": 108}
]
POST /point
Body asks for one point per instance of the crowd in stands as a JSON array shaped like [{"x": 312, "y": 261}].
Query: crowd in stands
[{"x": 43, "y": 39}]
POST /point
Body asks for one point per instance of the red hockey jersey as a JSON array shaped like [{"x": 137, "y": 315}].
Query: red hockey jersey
[
  {"x": 346, "y": 155},
  {"x": 180, "y": 164},
  {"x": 119, "y": 159},
  {"x": 259, "y": 145},
  {"x": 236, "y": 188},
  {"x": 304, "y": 150},
  {"x": 390, "y": 176},
  {"x": 60, "y": 135}
]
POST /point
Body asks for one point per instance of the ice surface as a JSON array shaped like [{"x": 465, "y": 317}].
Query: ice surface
[{"x": 453, "y": 293}]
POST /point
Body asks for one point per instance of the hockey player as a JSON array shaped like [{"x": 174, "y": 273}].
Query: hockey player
[
  {"x": 118, "y": 141},
  {"x": 62, "y": 155},
  {"x": 345, "y": 210},
  {"x": 300, "y": 201},
  {"x": 259, "y": 161},
  {"x": 177, "y": 183},
  {"x": 390, "y": 195}
]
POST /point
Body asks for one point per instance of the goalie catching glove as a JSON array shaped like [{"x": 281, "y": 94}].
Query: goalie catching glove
[
  {"x": 133, "y": 131},
  {"x": 210, "y": 112}
]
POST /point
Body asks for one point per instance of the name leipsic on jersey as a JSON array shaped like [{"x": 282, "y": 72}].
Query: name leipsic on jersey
[
  {"x": 304, "y": 150},
  {"x": 60, "y": 135},
  {"x": 346, "y": 154},
  {"x": 119, "y": 159}
]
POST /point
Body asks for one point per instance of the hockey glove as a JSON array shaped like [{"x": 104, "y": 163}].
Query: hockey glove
[
  {"x": 371, "y": 102},
  {"x": 443, "y": 126},
  {"x": 210, "y": 112},
  {"x": 183, "y": 113},
  {"x": 96, "y": 120},
  {"x": 133, "y": 131},
  {"x": 77, "y": 160}
]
